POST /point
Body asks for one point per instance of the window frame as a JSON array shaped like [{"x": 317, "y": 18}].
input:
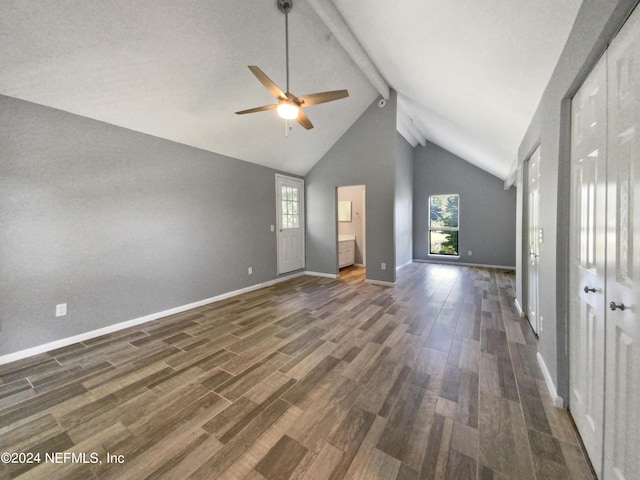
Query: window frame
[{"x": 440, "y": 229}]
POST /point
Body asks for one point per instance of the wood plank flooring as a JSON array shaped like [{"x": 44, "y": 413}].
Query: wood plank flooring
[{"x": 313, "y": 378}]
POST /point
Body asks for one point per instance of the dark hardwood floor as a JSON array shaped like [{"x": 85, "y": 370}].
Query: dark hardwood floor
[{"x": 312, "y": 378}]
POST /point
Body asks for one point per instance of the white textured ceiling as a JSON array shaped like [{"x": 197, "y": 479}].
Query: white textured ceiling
[{"x": 469, "y": 73}]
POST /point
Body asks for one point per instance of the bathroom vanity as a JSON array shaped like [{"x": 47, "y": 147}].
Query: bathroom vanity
[{"x": 346, "y": 250}]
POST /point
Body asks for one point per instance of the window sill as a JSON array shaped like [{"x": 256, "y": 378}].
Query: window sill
[{"x": 442, "y": 256}]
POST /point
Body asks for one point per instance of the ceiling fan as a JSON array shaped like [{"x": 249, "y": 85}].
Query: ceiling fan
[{"x": 289, "y": 106}]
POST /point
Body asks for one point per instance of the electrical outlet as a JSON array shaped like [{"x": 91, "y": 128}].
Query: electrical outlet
[
  {"x": 273, "y": 228},
  {"x": 469, "y": 253},
  {"x": 383, "y": 266},
  {"x": 61, "y": 310},
  {"x": 250, "y": 270}
]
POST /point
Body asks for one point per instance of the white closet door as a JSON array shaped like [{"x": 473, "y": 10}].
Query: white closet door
[
  {"x": 622, "y": 397},
  {"x": 533, "y": 187},
  {"x": 587, "y": 251}
]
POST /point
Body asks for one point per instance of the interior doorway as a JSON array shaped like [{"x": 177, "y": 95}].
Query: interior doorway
[{"x": 351, "y": 229}]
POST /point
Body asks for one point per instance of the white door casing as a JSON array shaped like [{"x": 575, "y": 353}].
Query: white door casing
[
  {"x": 587, "y": 260},
  {"x": 290, "y": 223},
  {"x": 364, "y": 227},
  {"x": 533, "y": 184},
  {"x": 622, "y": 373}
]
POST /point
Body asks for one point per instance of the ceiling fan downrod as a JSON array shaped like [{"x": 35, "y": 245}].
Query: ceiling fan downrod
[
  {"x": 289, "y": 106},
  {"x": 285, "y": 7}
]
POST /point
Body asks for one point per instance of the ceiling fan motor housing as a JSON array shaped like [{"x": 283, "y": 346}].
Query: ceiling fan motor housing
[{"x": 285, "y": 6}]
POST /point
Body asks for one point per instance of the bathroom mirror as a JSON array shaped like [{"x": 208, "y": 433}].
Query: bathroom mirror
[{"x": 344, "y": 211}]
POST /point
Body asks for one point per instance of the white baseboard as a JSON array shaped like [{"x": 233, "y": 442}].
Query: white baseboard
[
  {"x": 519, "y": 308},
  {"x": 557, "y": 401},
  {"x": 380, "y": 282},
  {"x": 320, "y": 274},
  {"x": 64, "y": 342},
  {"x": 404, "y": 265},
  {"x": 482, "y": 265}
]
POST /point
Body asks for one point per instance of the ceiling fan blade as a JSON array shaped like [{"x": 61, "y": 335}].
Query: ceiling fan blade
[
  {"x": 304, "y": 120},
  {"x": 258, "y": 109},
  {"x": 267, "y": 82},
  {"x": 323, "y": 97}
]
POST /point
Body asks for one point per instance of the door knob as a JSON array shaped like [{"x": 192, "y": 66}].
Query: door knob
[
  {"x": 587, "y": 289},
  {"x": 614, "y": 306}
]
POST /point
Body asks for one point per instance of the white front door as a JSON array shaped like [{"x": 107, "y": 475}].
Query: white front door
[
  {"x": 622, "y": 392},
  {"x": 534, "y": 239},
  {"x": 290, "y": 223},
  {"x": 587, "y": 254}
]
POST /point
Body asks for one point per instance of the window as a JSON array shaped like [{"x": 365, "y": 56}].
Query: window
[
  {"x": 289, "y": 206},
  {"x": 443, "y": 224}
]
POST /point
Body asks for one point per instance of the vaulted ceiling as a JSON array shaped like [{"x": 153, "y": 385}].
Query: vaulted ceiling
[{"x": 469, "y": 73}]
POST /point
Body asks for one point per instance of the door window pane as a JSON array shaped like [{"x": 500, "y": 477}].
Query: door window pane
[{"x": 290, "y": 207}]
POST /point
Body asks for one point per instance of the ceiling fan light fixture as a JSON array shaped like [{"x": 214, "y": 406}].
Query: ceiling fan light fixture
[
  {"x": 289, "y": 106},
  {"x": 288, "y": 111}
]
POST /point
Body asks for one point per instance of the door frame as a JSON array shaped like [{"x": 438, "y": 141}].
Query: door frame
[
  {"x": 525, "y": 241},
  {"x": 586, "y": 254},
  {"x": 364, "y": 224},
  {"x": 278, "y": 177}
]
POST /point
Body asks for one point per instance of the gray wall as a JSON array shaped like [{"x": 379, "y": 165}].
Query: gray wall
[
  {"x": 595, "y": 25},
  {"x": 118, "y": 224},
  {"x": 404, "y": 201},
  {"x": 487, "y": 210},
  {"x": 356, "y": 226},
  {"x": 364, "y": 155}
]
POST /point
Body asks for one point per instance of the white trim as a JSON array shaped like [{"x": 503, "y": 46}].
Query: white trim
[
  {"x": 359, "y": 265},
  {"x": 519, "y": 308},
  {"x": 319, "y": 274},
  {"x": 445, "y": 229},
  {"x": 557, "y": 401},
  {"x": 64, "y": 342},
  {"x": 500, "y": 267},
  {"x": 380, "y": 282},
  {"x": 404, "y": 265},
  {"x": 364, "y": 225},
  {"x": 301, "y": 218}
]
